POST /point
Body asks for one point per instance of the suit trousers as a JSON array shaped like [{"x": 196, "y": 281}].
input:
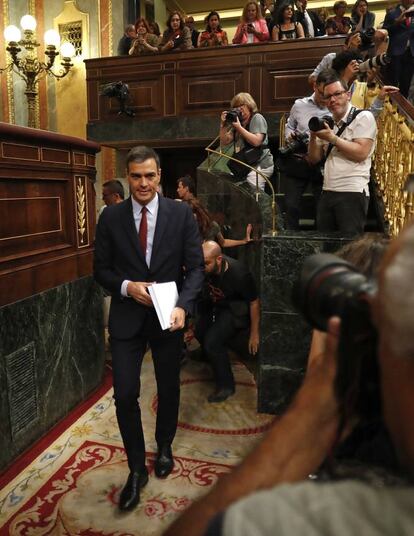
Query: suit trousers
[
  {"x": 215, "y": 333},
  {"x": 294, "y": 190},
  {"x": 127, "y": 358},
  {"x": 401, "y": 70}
]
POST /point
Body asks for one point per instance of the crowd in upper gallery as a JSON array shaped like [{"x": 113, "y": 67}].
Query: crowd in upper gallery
[{"x": 260, "y": 22}]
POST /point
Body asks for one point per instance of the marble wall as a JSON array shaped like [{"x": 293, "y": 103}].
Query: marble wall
[
  {"x": 63, "y": 327},
  {"x": 285, "y": 336}
]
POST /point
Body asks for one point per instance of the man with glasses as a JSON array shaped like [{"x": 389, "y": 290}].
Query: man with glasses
[
  {"x": 298, "y": 172},
  {"x": 347, "y": 149}
]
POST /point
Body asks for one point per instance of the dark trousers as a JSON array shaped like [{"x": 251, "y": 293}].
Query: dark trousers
[
  {"x": 127, "y": 358},
  {"x": 294, "y": 189},
  {"x": 401, "y": 70},
  {"x": 215, "y": 332},
  {"x": 342, "y": 211}
]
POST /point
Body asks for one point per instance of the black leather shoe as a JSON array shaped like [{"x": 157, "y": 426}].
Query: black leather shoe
[
  {"x": 130, "y": 494},
  {"x": 164, "y": 462},
  {"x": 220, "y": 395}
]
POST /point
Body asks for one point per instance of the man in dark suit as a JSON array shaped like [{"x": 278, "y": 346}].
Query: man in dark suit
[
  {"x": 400, "y": 26},
  {"x": 146, "y": 239},
  {"x": 312, "y": 24}
]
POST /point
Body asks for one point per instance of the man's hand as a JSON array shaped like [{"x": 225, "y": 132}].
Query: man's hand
[
  {"x": 350, "y": 71},
  {"x": 253, "y": 343},
  {"x": 248, "y": 238},
  {"x": 177, "y": 319},
  {"x": 138, "y": 291},
  {"x": 387, "y": 90},
  {"x": 326, "y": 134}
]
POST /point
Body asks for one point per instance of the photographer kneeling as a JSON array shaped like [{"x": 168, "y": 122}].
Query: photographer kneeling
[
  {"x": 247, "y": 130},
  {"x": 293, "y": 161},
  {"x": 277, "y": 498}
]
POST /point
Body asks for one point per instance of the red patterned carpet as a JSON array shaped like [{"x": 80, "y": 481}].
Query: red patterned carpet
[{"x": 72, "y": 487}]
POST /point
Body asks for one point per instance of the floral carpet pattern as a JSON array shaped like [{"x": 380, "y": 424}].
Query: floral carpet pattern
[{"x": 72, "y": 488}]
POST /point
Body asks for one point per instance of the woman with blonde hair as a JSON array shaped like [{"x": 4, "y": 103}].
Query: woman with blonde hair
[
  {"x": 252, "y": 27},
  {"x": 248, "y": 130}
]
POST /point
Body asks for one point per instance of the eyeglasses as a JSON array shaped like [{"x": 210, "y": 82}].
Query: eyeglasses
[{"x": 335, "y": 95}]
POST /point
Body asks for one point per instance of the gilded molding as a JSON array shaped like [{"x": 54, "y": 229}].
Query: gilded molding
[
  {"x": 32, "y": 11},
  {"x": 9, "y": 74},
  {"x": 81, "y": 210}
]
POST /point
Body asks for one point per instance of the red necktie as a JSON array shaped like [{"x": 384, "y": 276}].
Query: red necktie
[{"x": 143, "y": 230}]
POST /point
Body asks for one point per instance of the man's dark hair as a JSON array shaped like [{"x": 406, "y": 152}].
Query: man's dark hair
[
  {"x": 342, "y": 59},
  {"x": 140, "y": 154},
  {"x": 115, "y": 187},
  {"x": 327, "y": 76},
  {"x": 188, "y": 182}
]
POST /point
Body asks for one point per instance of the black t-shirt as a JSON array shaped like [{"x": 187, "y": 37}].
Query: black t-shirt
[{"x": 234, "y": 284}]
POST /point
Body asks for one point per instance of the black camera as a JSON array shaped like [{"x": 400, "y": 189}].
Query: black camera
[
  {"x": 367, "y": 38},
  {"x": 298, "y": 144},
  {"x": 329, "y": 286},
  {"x": 318, "y": 123},
  {"x": 377, "y": 61},
  {"x": 232, "y": 115},
  {"x": 120, "y": 91}
]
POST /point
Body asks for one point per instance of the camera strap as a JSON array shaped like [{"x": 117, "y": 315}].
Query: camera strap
[{"x": 351, "y": 116}]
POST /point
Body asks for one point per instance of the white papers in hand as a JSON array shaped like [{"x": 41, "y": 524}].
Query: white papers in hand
[{"x": 164, "y": 297}]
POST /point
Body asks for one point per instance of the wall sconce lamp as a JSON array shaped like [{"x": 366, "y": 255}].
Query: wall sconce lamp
[{"x": 28, "y": 66}]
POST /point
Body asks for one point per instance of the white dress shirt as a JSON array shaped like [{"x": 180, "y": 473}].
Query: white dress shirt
[{"x": 152, "y": 213}]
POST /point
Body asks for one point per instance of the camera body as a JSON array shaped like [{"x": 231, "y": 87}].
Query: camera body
[
  {"x": 377, "y": 61},
  {"x": 367, "y": 38},
  {"x": 232, "y": 115},
  {"x": 119, "y": 90},
  {"x": 298, "y": 144},
  {"x": 317, "y": 123},
  {"x": 329, "y": 286}
]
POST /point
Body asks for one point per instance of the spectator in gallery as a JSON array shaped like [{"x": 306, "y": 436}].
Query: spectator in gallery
[
  {"x": 252, "y": 27},
  {"x": 154, "y": 28},
  {"x": 177, "y": 36},
  {"x": 145, "y": 42},
  {"x": 189, "y": 22},
  {"x": 312, "y": 24},
  {"x": 213, "y": 35},
  {"x": 126, "y": 40},
  {"x": 361, "y": 18},
  {"x": 286, "y": 26},
  {"x": 338, "y": 24}
]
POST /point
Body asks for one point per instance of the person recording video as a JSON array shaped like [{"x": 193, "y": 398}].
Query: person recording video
[
  {"x": 177, "y": 36},
  {"x": 269, "y": 492}
]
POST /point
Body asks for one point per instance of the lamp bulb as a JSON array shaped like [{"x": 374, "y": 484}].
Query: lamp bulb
[
  {"x": 67, "y": 50},
  {"x": 52, "y": 38},
  {"x": 27, "y": 22},
  {"x": 12, "y": 34}
]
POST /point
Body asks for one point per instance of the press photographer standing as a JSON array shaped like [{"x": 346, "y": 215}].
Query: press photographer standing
[
  {"x": 347, "y": 149},
  {"x": 247, "y": 130},
  {"x": 294, "y": 163}
]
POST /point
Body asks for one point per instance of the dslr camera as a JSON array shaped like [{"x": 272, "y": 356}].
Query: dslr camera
[
  {"x": 318, "y": 123},
  {"x": 329, "y": 286},
  {"x": 232, "y": 116},
  {"x": 298, "y": 144},
  {"x": 367, "y": 38},
  {"x": 377, "y": 61}
]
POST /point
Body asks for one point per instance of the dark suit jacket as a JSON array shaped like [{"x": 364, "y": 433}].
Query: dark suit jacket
[
  {"x": 399, "y": 33},
  {"x": 318, "y": 25},
  {"x": 118, "y": 256}
]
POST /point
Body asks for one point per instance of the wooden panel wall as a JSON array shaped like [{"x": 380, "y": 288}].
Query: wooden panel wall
[
  {"x": 202, "y": 81},
  {"x": 47, "y": 207}
]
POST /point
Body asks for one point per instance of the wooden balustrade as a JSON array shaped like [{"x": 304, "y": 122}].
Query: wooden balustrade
[{"x": 203, "y": 81}]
